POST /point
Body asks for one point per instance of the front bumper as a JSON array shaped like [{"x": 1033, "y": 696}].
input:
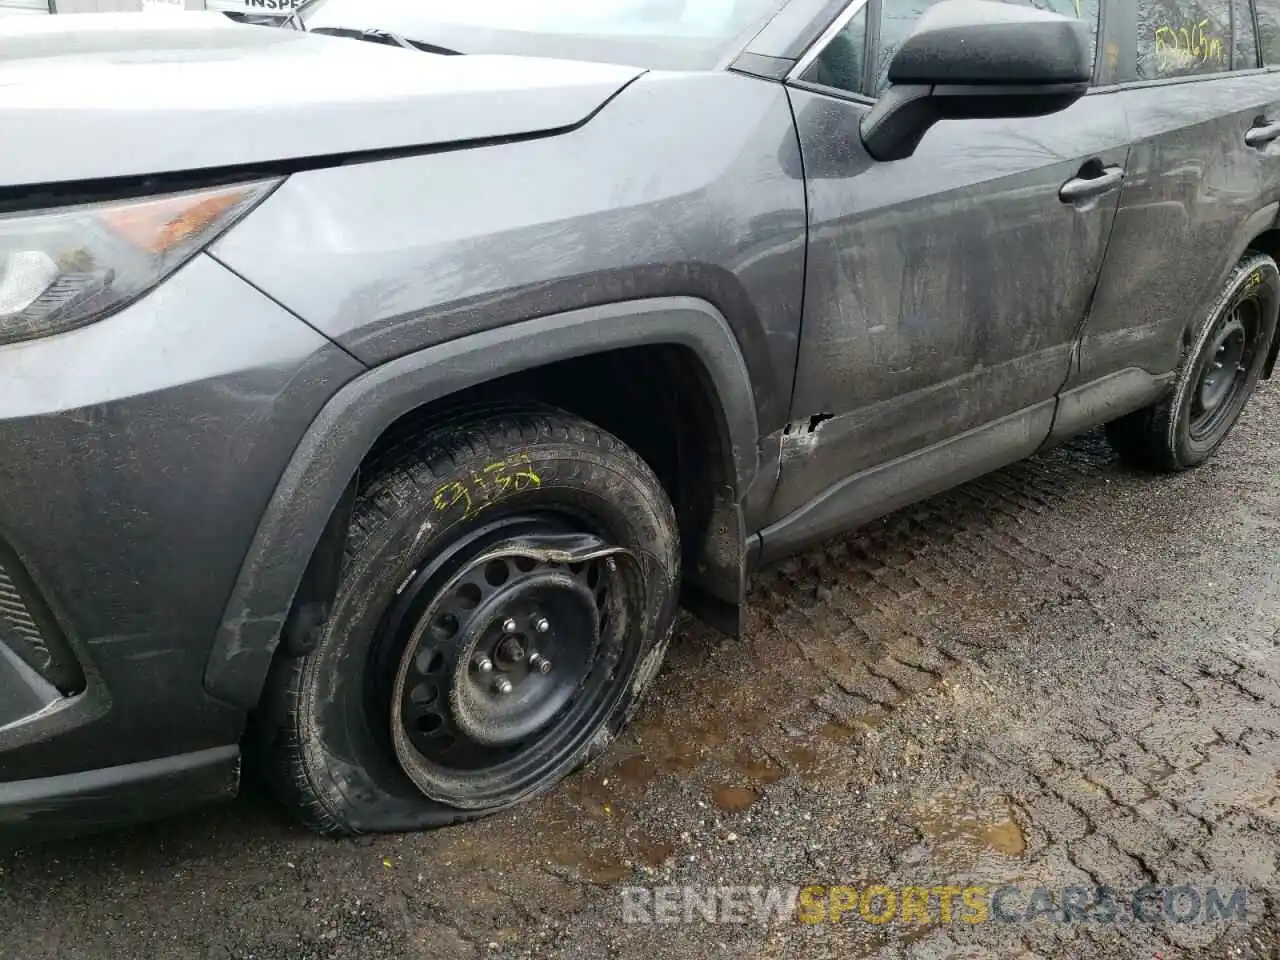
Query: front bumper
[
  {"x": 139, "y": 453},
  {"x": 79, "y": 803}
]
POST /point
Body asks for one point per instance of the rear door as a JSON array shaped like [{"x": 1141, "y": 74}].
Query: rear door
[
  {"x": 1203, "y": 175},
  {"x": 945, "y": 291}
]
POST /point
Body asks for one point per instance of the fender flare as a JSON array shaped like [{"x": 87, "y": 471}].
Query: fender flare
[
  {"x": 1251, "y": 227},
  {"x": 333, "y": 447},
  {"x": 1266, "y": 219}
]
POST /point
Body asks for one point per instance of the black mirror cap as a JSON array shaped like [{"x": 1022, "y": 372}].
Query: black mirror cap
[
  {"x": 904, "y": 114},
  {"x": 980, "y": 42}
]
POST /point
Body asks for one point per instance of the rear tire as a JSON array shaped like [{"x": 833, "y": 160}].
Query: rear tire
[
  {"x": 467, "y": 664},
  {"x": 1215, "y": 379}
]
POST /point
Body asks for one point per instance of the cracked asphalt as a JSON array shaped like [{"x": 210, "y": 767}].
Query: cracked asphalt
[{"x": 1064, "y": 674}]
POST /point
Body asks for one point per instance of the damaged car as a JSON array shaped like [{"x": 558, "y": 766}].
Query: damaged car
[{"x": 377, "y": 388}]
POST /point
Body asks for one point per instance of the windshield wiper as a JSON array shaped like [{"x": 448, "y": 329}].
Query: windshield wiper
[
  {"x": 295, "y": 15},
  {"x": 374, "y": 35},
  {"x": 386, "y": 36},
  {"x": 435, "y": 48}
]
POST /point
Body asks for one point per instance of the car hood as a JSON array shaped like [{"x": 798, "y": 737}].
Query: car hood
[{"x": 121, "y": 95}]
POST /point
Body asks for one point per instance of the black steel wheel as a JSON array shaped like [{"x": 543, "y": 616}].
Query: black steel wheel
[
  {"x": 1218, "y": 374},
  {"x": 509, "y": 591},
  {"x": 510, "y": 642},
  {"x": 1223, "y": 371}
]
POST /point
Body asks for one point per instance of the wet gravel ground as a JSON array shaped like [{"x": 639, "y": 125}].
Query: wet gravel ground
[{"x": 1065, "y": 674}]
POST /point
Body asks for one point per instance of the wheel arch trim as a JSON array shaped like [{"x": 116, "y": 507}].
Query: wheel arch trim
[
  {"x": 333, "y": 447},
  {"x": 1264, "y": 221},
  {"x": 1247, "y": 233}
]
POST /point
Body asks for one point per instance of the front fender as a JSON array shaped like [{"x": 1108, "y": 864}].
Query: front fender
[
  {"x": 331, "y": 451},
  {"x": 684, "y": 185}
]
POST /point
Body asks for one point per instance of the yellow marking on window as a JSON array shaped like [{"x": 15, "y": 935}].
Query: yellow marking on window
[{"x": 1192, "y": 43}]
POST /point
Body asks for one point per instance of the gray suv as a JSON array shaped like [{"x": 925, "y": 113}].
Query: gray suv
[{"x": 375, "y": 389}]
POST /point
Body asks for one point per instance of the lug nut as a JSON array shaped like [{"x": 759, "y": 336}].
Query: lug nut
[
  {"x": 611, "y": 564},
  {"x": 502, "y": 685},
  {"x": 541, "y": 624},
  {"x": 509, "y": 625},
  {"x": 484, "y": 664},
  {"x": 540, "y": 663}
]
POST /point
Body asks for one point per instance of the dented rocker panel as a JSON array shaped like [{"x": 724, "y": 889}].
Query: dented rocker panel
[{"x": 886, "y": 487}]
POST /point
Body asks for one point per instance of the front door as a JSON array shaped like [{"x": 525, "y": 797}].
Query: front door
[{"x": 944, "y": 291}]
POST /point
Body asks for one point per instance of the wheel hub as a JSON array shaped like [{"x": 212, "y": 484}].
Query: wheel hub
[
  {"x": 509, "y": 652},
  {"x": 510, "y": 647},
  {"x": 1225, "y": 364},
  {"x": 516, "y": 698},
  {"x": 1224, "y": 373}
]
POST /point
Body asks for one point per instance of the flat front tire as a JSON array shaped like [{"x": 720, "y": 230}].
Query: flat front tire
[{"x": 508, "y": 592}]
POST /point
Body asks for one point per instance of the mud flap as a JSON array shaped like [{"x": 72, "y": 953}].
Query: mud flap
[{"x": 715, "y": 584}]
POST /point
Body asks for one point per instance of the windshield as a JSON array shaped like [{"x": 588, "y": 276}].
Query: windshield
[{"x": 663, "y": 34}]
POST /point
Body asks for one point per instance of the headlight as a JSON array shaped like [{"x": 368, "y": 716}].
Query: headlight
[{"x": 63, "y": 268}]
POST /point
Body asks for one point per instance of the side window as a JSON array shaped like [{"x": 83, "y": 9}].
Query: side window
[
  {"x": 1183, "y": 38},
  {"x": 842, "y": 63},
  {"x": 1244, "y": 52},
  {"x": 1269, "y": 31},
  {"x": 898, "y": 18}
]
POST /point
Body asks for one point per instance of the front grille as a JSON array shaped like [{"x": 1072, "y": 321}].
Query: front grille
[
  {"x": 29, "y": 630},
  {"x": 21, "y": 631}
]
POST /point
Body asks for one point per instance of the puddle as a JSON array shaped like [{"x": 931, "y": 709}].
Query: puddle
[
  {"x": 953, "y": 828},
  {"x": 1006, "y": 838},
  {"x": 836, "y": 733},
  {"x": 805, "y": 760},
  {"x": 855, "y": 729},
  {"x": 603, "y": 871},
  {"x": 682, "y": 749},
  {"x": 635, "y": 771},
  {"x": 596, "y": 867},
  {"x": 820, "y": 753},
  {"x": 654, "y": 853},
  {"x": 730, "y": 797},
  {"x": 760, "y": 769},
  {"x": 871, "y": 719}
]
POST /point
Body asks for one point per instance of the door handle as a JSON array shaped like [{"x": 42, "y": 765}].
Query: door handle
[
  {"x": 1086, "y": 188},
  {"x": 1262, "y": 134}
]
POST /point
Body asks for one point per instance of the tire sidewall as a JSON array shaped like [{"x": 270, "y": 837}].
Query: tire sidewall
[
  {"x": 1256, "y": 276},
  {"x": 345, "y": 740}
]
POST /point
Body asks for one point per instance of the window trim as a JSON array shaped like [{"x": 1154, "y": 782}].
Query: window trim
[
  {"x": 834, "y": 92},
  {"x": 1257, "y": 35},
  {"x": 871, "y": 50},
  {"x": 1099, "y": 43},
  {"x": 820, "y": 44},
  {"x": 1123, "y": 85}
]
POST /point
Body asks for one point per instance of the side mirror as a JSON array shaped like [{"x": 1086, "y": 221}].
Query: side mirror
[{"x": 974, "y": 59}]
